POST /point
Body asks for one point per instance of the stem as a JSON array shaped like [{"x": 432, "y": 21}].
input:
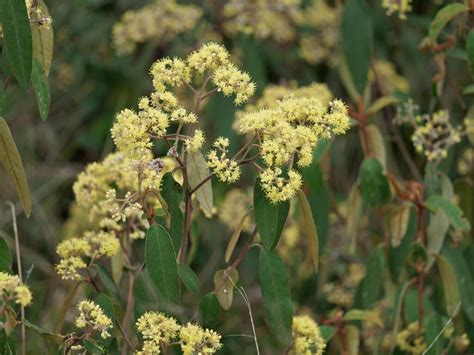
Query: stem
[
  {"x": 20, "y": 274},
  {"x": 128, "y": 312},
  {"x": 206, "y": 179}
]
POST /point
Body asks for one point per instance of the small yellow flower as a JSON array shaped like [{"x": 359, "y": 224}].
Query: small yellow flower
[
  {"x": 12, "y": 289},
  {"x": 91, "y": 316},
  {"x": 157, "y": 330},
  {"x": 195, "y": 340},
  {"x": 307, "y": 338}
]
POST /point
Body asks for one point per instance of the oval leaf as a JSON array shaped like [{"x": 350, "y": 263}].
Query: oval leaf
[
  {"x": 197, "y": 171},
  {"x": 310, "y": 229},
  {"x": 374, "y": 185},
  {"x": 161, "y": 264},
  {"x": 450, "y": 285},
  {"x": 275, "y": 288},
  {"x": 453, "y": 212},
  {"x": 377, "y": 145},
  {"x": 11, "y": 161},
  {"x": 357, "y": 41},
  {"x": 210, "y": 310},
  {"x": 397, "y": 223},
  {"x": 269, "y": 217},
  {"x": 235, "y": 237},
  {"x": 17, "y": 38},
  {"x": 224, "y": 281},
  {"x": 108, "y": 281},
  {"x": 446, "y": 14},
  {"x": 43, "y": 39},
  {"x": 5, "y": 256},
  {"x": 41, "y": 88},
  {"x": 189, "y": 278}
]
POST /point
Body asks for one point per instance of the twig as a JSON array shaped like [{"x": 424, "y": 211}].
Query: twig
[{"x": 20, "y": 274}]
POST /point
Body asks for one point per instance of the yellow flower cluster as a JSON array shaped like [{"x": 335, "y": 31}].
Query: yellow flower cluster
[
  {"x": 307, "y": 338},
  {"x": 400, "y": 6},
  {"x": 158, "y": 331},
  {"x": 410, "y": 340},
  {"x": 225, "y": 169},
  {"x": 92, "y": 245},
  {"x": 195, "y": 143},
  {"x": 319, "y": 41},
  {"x": 159, "y": 22},
  {"x": 342, "y": 293},
  {"x": 92, "y": 318},
  {"x": 12, "y": 289},
  {"x": 290, "y": 130},
  {"x": 196, "y": 340},
  {"x": 265, "y": 19}
]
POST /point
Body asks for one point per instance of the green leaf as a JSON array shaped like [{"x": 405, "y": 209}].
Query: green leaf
[
  {"x": 270, "y": 217},
  {"x": 468, "y": 90},
  {"x": 372, "y": 283},
  {"x": 161, "y": 265},
  {"x": 144, "y": 295},
  {"x": 357, "y": 38},
  {"x": 7, "y": 344},
  {"x": 210, "y": 310},
  {"x": 2, "y": 100},
  {"x": 197, "y": 171},
  {"x": 374, "y": 185},
  {"x": 470, "y": 56},
  {"x": 464, "y": 279},
  {"x": 450, "y": 285},
  {"x": 309, "y": 228},
  {"x": 327, "y": 332},
  {"x": 381, "y": 103},
  {"x": 52, "y": 337},
  {"x": 453, "y": 212},
  {"x": 273, "y": 278},
  {"x": 433, "y": 326},
  {"x": 189, "y": 278},
  {"x": 108, "y": 281},
  {"x": 41, "y": 88},
  {"x": 17, "y": 38},
  {"x": 224, "y": 281},
  {"x": 173, "y": 197},
  {"x": 43, "y": 39},
  {"x": 235, "y": 237},
  {"x": 11, "y": 161},
  {"x": 446, "y": 14},
  {"x": 5, "y": 256}
]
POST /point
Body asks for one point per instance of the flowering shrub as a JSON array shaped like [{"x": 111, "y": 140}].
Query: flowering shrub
[{"x": 291, "y": 177}]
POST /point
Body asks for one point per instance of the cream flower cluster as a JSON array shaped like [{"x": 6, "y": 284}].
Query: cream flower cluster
[
  {"x": 12, "y": 289},
  {"x": 93, "y": 319},
  {"x": 307, "y": 338},
  {"x": 265, "y": 19},
  {"x": 92, "y": 245},
  {"x": 411, "y": 339},
  {"x": 159, "y": 330},
  {"x": 225, "y": 169},
  {"x": 159, "y": 22},
  {"x": 433, "y": 134},
  {"x": 400, "y": 6},
  {"x": 290, "y": 130},
  {"x": 319, "y": 42}
]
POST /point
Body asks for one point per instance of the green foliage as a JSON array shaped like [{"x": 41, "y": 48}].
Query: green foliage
[
  {"x": 5, "y": 256},
  {"x": 374, "y": 185}
]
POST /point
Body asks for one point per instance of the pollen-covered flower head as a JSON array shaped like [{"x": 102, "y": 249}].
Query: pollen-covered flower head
[
  {"x": 92, "y": 318},
  {"x": 196, "y": 340},
  {"x": 13, "y": 290},
  {"x": 307, "y": 338},
  {"x": 157, "y": 330},
  {"x": 226, "y": 169},
  {"x": 411, "y": 339},
  {"x": 400, "y": 6}
]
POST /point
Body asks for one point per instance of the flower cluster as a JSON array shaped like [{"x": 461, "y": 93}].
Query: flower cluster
[
  {"x": 225, "y": 169},
  {"x": 400, "y": 6},
  {"x": 307, "y": 338},
  {"x": 159, "y": 330},
  {"x": 263, "y": 18},
  {"x": 433, "y": 133},
  {"x": 319, "y": 41},
  {"x": 92, "y": 245},
  {"x": 411, "y": 339},
  {"x": 159, "y": 22},
  {"x": 342, "y": 293},
  {"x": 289, "y": 131},
  {"x": 12, "y": 289},
  {"x": 92, "y": 319}
]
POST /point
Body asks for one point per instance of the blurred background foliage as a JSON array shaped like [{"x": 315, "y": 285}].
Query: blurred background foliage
[{"x": 90, "y": 82}]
